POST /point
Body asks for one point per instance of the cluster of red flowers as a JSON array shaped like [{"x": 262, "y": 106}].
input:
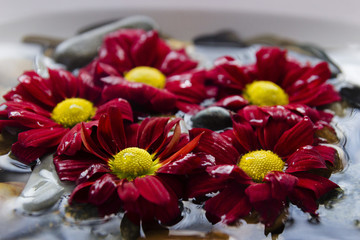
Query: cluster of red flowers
[{"x": 102, "y": 129}]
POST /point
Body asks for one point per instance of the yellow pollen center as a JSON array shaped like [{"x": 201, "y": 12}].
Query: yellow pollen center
[
  {"x": 258, "y": 163},
  {"x": 72, "y": 111},
  {"x": 147, "y": 75},
  {"x": 132, "y": 162},
  {"x": 265, "y": 93}
]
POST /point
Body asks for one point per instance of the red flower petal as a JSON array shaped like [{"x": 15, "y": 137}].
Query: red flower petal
[
  {"x": 150, "y": 130},
  {"x": 271, "y": 64},
  {"x": 229, "y": 205},
  {"x": 43, "y": 137},
  {"x": 229, "y": 172},
  {"x": 214, "y": 144},
  {"x": 127, "y": 191},
  {"x": 233, "y": 102},
  {"x": 152, "y": 189},
  {"x": 69, "y": 169},
  {"x": 28, "y": 155},
  {"x": 71, "y": 141},
  {"x": 121, "y": 104},
  {"x": 202, "y": 183},
  {"x": 305, "y": 159},
  {"x": 31, "y": 120},
  {"x": 101, "y": 190},
  {"x": 90, "y": 145},
  {"x": 141, "y": 96},
  {"x": 319, "y": 185},
  {"x": 245, "y": 134},
  {"x": 281, "y": 184},
  {"x": 143, "y": 52},
  {"x": 300, "y": 135}
]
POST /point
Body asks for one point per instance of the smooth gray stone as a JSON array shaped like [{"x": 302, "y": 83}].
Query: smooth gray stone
[
  {"x": 214, "y": 118},
  {"x": 43, "y": 188},
  {"x": 81, "y": 49}
]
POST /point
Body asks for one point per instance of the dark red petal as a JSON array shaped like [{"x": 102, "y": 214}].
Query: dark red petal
[
  {"x": 201, "y": 183},
  {"x": 69, "y": 169},
  {"x": 245, "y": 134},
  {"x": 101, "y": 190},
  {"x": 151, "y": 129},
  {"x": 305, "y": 199},
  {"x": 63, "y": 84},
  {"x": 229, "y": 172},
  {"x": 31, "y": 120},
  {"x": 37, "y": 87},
  {"x": 28, "y": 155},
  {"x": 233, "y": 102},
  {"x": 144, "y": 51},
  {"x": 270, "y": 134},
  {"x": 260, "y": 197},
  {"x": 177, "y": 62},
  {"x": 228, "y": 72},
  {"x": 305, "y": 159},
  {"x": 281, "y": 184},
  {"x": 71, "y": 141},
  {"x": 271, "y": 64},
  {"x": 43, "y": 137},
  {"x": 319, "y": 185},
  {"x": 183, "y": 151},
  {"x": 90, "y": 145},
  {"x": 119, "y": 103},
  {"x": 183, "y": 165},
  {"x": 26, "y": 106},
  {"x": 214, "y": 144},
  {"x": 141, "y": 96},
  {"x": 81, "y": 193},
  {"x": 96, "y": 168},
  {"x": 300, "y": 135},
  {"x": 127, "y": 191},
  {"x": 152, "y": 189},
  {"x": 228, "y": 206}
]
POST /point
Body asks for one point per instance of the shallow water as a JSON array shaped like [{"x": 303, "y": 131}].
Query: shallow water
[{"x": 339, "y": 218}]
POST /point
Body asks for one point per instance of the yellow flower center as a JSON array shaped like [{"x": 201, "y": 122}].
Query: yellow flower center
[
  {"x": 133, "y": 162},
  {"x": 148, "y": 75},
  {"x": 265, "y": 93},
  {"x": 72, "y": 111},
  {"x": 258, "y": 163}
]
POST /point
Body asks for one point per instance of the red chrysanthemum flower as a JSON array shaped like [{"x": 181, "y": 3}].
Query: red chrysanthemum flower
[
  {"x": 137, "y": 65},
  {"x": 261, "y": 168},
  {"x": 47, "y": 111},
  {"x": 272, "y": 80},
  {"x": 137, "y": 168}
]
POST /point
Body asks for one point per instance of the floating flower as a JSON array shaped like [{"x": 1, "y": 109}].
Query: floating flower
[
  {"x": 273, "y": 80},
  {"x": 136, "y": 65},
  {"x": 47, "y": 111},
  {"x": 137, "y": 168},
  {"x": 261, "y": 168}
]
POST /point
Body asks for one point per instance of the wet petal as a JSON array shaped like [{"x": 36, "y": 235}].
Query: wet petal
[
  {"x": 214, "y": 144},
  {"x": 152, "y": 189},
  {"x": 121, "y": 104},
  {"x": 300, "y": 135},
  {"x": 127, "y": 191},
  {"x": 101, "y": 190}
]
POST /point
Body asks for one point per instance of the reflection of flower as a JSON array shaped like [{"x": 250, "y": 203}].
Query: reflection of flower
[
  {"x": 131, "y": 167},
  {"x": 273, "y": 80},
  {"x": 47, "y": 111},
  {"x": 261, "y": 168},
  {"x": 136, "y": 66}
]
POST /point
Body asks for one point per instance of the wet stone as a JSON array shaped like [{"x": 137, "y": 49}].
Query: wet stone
[
  {"x": 81, "y": 49},
  {"x": 214, "y": 118},
  {"x": 43, "y": 189}
]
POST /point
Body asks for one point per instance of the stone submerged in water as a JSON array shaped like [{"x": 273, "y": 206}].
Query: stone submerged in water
[
  {"x": 214, "y": 118},
  {"x": 43, "y": 188},
  {"x": 81, "y": 49}
]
